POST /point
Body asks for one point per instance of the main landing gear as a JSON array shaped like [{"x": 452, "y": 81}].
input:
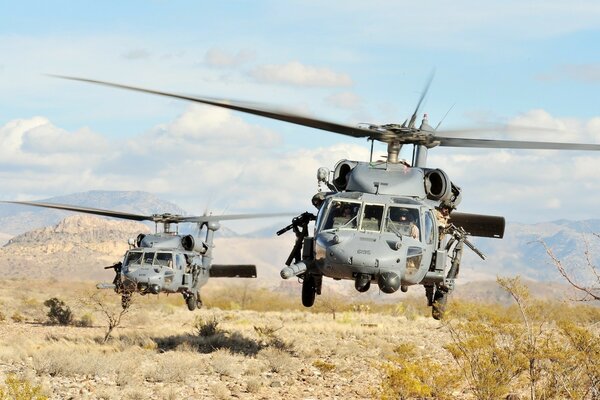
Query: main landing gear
[{"x": 311, "y": 286}]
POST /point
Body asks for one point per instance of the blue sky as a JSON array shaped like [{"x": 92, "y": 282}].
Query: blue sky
[{"x": 533, "y": 63}]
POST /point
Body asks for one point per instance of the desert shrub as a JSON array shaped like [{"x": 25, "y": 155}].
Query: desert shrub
[
  {"x": 86, "y": 320},
  {"x": 407, "y": 374},
  {"x": 581, "y": 361},
  {"x": 206, "y": 328},
  {"x": 2, "y": 317},
  {"x": 269, "y": 338},
  {"x": 59, "y": 313},
  {"x": 323, "y": 366},
  {"x": 20, "y": 389},
  {"x": 17, "y": 317},
  {"x": 253, "y": 385}
]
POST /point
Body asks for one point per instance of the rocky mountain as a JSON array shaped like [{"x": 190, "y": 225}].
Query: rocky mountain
[
  {"x": 80, "y": 245},
  {"x": 521, "y": 251},
  {"x": 77, "y": 248}
]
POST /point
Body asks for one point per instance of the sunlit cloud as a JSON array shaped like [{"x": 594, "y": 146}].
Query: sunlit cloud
[{"x": 297, "y": 74}]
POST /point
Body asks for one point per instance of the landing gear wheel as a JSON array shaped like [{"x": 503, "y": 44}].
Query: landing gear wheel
[
  {"x": 125, "y": 300},
  {"x": 439, "y": 304},
  {"x": 308, "y": 291},
  {"x": 192, "y": 302}
]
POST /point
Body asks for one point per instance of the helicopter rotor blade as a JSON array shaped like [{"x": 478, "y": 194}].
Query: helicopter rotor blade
[
  {"x": 161, "y": 218},
  {"x": 413, "y": 118},
  {"x": 210, "y": 218},
  {"x": 384, "y": 133},
  {"x": 246, "y": 107},
  {"x": 86, "y": 210},
  {"x": 512, "y": 144}
]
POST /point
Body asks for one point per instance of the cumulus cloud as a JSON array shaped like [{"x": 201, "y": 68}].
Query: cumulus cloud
[
  {"x": 344, "y": 100},
  {"x": 524, "y": 185},
  {"x": 297, "y": 74},
  {"x": 219, "y": 58},
  {"x": 212, "y": 157},
  {"x": 37, "y": 142}
]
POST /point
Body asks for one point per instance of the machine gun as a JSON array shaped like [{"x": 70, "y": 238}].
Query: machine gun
[
  {"x": 301, "y": 221},
  {"x": 460, "y": 235}
]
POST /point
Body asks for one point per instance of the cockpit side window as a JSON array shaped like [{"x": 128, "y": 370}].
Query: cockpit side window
[
  {"x": 429, "y": 228},
  {"x": 372, "y": 217},
  {"x": 403, "y": 221},
  {"x": 342, "y": 215},
  {"x": 148, "y": 257},
  {"x": 180, "y": 261},
  {"x": 133, "y": 257},
  {"x": 164, "y": 260}
]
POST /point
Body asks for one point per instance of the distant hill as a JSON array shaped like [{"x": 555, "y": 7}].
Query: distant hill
[
  {"x": 77, "y": 248},
  {"x": 15, "y": 219},
  {"x": 521, "y": 253}
]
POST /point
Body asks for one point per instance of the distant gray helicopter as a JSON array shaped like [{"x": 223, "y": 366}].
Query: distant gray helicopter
[
  {"x": 166, "y": 262},
  {"x": 386, "y": 222}
]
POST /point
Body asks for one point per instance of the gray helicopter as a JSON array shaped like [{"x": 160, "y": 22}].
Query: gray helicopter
[
  {"x": 166, "y": 262},
  {"x": 388, "y": 222}
]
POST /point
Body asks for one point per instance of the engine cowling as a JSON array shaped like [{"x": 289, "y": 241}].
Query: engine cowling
[
  {"x": 437, "y": 185},
  {"x": 340, "y": 174},
  {"x": 189, "y": 243}
]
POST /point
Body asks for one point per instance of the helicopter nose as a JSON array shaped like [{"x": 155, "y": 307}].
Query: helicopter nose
[{"x": 146, "y": 280}]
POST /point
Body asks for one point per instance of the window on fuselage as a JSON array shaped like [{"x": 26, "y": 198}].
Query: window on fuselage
[
  {"x": 429, "y": 230},
  {"x": 403, "y": 221},
  {"x": 180, "y": 261},
  {"x": 164, "y": 260},
  {"x": 133, "y": 257},
  {"x": 372, "y": 217},
  {"x": 342, "y": 214},
  {"x": 148, "y": 258}
]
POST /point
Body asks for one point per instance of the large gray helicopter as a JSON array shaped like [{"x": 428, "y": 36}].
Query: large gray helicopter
[
  {"x": 387, "y": 222},
  {"x": 166, "y": 262}
]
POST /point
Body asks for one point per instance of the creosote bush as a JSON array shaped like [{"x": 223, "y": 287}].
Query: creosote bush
[
  {"x": 20, "y": 389},
  {"x": 409, "y": 374}
]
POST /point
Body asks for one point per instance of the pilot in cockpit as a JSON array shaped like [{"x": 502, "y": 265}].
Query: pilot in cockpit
[{"x": 406, "y": 218}]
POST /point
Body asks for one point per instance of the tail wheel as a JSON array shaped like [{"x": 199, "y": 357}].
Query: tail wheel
[
  {"x": 439, "y": 304},
  {"x": 192, "y": 302},
  {"x": 308, "y": 291}
]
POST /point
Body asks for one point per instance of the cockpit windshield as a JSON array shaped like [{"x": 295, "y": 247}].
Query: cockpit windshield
[
  {"x": 372, "y": 217},
  {"x": 342, "y": 215},
  {"x": 164, "y": 260},
  {"x": 133, "y": 257},
  {"x": 403, "y": 221},
  {"x": 148, "y": 258}
]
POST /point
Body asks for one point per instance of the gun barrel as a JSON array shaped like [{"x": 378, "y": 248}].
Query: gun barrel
[
  {"x": 294, "y": 270},
  {"x": 284, "y": 230}
]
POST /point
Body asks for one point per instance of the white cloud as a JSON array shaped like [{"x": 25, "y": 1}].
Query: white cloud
[
  {"x": 219, "y": 58},
  {"x": 344, "y": 100},
  {"x": 36, "y": 142},
  {"x": 295, "y": 73},
  {"x": 212, "y": 157}
]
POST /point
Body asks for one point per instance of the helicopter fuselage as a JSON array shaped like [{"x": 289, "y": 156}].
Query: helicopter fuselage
[{"x": 389, "y": 224}]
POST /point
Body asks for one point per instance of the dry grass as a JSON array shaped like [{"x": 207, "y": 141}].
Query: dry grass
[{"x": 160, "y": 351}]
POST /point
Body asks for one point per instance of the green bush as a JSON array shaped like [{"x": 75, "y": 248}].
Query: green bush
[{"x": 60, "y": 313}]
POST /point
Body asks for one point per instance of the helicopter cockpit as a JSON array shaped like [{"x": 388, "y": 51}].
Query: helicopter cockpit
[{"x": 366, "y": 216}]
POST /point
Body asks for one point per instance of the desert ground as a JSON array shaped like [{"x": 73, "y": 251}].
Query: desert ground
[{"x": 161, "y": 350}]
